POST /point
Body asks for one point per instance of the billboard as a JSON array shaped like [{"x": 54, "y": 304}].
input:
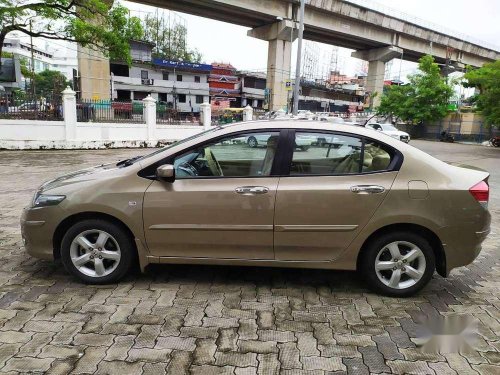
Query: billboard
[{"x": 182, "y": 65}]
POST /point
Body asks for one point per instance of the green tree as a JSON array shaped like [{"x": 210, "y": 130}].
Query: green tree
[
  {"x": 91, "y": 23},
  {"x": 487, "y": 80},
  {"x": 170, "y": 39},
  {"x": 49, "y": 81},
  {"x": 424, "y": 98}
]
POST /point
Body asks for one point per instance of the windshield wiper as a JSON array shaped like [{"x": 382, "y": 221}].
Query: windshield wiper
[{"x": 127, "y": 162}]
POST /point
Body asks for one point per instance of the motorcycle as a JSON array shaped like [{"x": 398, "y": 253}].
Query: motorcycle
[
  {"x": 495, "y": 141},
  {"x": 446, "y": 137}
]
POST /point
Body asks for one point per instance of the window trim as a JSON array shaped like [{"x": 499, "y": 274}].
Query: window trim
[
  {"x": 149, "y": 171},
  {"x": 394, "y": 165}
]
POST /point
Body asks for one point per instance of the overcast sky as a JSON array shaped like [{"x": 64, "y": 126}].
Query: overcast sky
[{"x": 223, "y": 42}]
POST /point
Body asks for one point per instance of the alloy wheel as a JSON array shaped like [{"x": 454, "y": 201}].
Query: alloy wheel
[
  {"x": 95, "y": 253},
  {"x": 400, "y": 264}
]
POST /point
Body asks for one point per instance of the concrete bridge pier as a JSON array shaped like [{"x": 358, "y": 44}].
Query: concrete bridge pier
[
  {"x": 280, "y": 36},
  {"x": 376, "y": 68}
]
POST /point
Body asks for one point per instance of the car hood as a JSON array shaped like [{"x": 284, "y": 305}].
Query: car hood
[
  {"x": 394, "y": 132},
  {"x": 77, "y": 176}
]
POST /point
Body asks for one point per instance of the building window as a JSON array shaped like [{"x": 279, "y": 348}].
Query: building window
[
  {"x": 199, "y": 99},
  {"x": 165, "y": 76},
  {"x": 197, "y": 79},
  {"x": 182, "y": 98},
  {"x": 179, "y": 77},
  {"x": 144, "y": 74}
]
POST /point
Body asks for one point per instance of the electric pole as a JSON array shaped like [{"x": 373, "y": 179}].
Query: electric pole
[{"x": 299, "y": 56}]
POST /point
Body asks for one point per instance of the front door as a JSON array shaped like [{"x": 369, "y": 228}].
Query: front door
[
  {"x": 221, "y": 204},
  {"x": 330, "y": 195}
]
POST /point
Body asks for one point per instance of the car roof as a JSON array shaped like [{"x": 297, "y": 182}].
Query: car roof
[
  {"x": 310, "y": 125},
  {"x": 223, "y": 130}
]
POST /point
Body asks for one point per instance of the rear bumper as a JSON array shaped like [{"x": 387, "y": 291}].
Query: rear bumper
[{"x": 462, "y": 243}]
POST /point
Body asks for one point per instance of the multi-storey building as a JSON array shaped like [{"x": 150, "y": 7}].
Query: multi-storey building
[
  {"x": 224, "y": 86},
  {"x": 253, "y": 89},
  {"x": 45, "y": 55},
  {"x": 180, "y": 85}
]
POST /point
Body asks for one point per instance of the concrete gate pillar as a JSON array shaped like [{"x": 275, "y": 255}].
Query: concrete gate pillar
[
  {"x": 280, "y": 36},
  {"x": 376, "y": 67}
]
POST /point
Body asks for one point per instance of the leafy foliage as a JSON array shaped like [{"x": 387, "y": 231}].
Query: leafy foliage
[
  {"x": 170, "y": 40},
  {"x": 49, "y": 81},
  {"x": 92, "y": 23},
  {"x": 487, "y": 80},
  {"x": 424, "y": 98}
]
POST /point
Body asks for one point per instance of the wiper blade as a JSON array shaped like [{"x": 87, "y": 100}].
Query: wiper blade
[{"x": 127, "y": 162}]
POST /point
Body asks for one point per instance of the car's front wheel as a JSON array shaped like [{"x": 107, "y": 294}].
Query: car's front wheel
[
  {"x": 398, "y": 264},
  {"x": 252, "y": 142},
  {"x": 97, "y": 251}
]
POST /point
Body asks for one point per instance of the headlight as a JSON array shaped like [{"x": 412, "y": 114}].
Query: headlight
[{"x": 44, "y": 200}]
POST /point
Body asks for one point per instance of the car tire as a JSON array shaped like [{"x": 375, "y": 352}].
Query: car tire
[
  {"x": 388, "y": 256},
  {"x": 94, "y": 260},
  {"x": 252, "y": 142},
  {"x": 304, "y": 148}
]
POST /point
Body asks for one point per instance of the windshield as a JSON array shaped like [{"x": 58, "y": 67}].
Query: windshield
[
  {"x": 388, "y": 127},
  {"x": 176, "y": 143}
]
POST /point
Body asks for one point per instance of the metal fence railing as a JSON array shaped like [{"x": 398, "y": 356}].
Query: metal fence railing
[
  {"x": 89, "y": 110},
  {"x": 226, "y": 116},
  {"x": 169, "y": 116},
  {"x": 31, "y": 108},
  {"x": 462, "y": 131}
]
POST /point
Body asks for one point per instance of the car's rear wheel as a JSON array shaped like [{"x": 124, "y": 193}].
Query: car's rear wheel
[
  {"x": 398, "y": 264},
  {"x": 97, "y": 251}
]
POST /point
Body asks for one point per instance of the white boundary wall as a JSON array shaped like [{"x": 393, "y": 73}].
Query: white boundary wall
[
  {"x": 30, "y": 134},
  {"x": 70, "y": 134}
]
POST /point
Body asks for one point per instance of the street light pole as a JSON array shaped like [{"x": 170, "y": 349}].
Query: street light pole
[{"x": 299, "y": 58}]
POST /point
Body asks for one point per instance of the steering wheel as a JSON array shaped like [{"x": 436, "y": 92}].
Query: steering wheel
[
  {"x": 212, "y": 163},
  {"x": 186, "y": 169}
]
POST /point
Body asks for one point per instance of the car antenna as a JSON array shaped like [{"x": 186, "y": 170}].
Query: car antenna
[{"x": 366, "y": 122}]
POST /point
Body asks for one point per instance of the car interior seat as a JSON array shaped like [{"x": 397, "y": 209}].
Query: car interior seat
[{"x": 267, "y": 164}]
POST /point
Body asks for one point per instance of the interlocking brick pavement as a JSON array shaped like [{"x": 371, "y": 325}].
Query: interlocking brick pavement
[{"x": 228, "y": 320}]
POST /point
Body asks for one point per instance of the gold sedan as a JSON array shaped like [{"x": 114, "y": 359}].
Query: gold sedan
[{"x": 305, "y": 195}]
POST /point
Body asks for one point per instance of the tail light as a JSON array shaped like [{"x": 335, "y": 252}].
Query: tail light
[{"x": 481, "y": 192}]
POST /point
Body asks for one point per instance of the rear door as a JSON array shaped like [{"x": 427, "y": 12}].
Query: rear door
[{"x": 333, "y": 189}]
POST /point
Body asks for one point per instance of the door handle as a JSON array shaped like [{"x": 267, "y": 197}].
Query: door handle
[
  {"x": 367, "y": 189},
  {"x": 251, "y": 190}
]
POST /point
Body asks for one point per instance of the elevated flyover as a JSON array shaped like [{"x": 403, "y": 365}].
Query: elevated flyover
[{"x": 376, "y": 36}]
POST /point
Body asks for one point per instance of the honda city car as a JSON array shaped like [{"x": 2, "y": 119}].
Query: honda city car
[{"x": 354, "y": 199}]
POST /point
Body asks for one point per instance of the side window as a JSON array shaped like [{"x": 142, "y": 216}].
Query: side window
[
  {"x": 334, "y": 154},
  {"x": 325, "y": 153},
  {"x": 242, "y": 155},
  {"x": 376, "y": 157}
]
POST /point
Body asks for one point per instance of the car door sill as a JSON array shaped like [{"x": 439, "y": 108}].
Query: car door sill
[
  {"x": 324, "y": 264},
  {"x": 212, "y": 227},
  {"x": 315, "y": 228}
]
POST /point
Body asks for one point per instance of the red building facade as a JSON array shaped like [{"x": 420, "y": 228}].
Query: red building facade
[{"x": 224, "y": 86}]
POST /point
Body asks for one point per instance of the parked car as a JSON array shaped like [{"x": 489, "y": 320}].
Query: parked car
[
  {"x": 332, "y": 119},
  {"x": 390, "y": 130},
  {"x": 374, "y": 204},
  {"x": 34, "y": 106},
  {"x": 260, "y": 140}
]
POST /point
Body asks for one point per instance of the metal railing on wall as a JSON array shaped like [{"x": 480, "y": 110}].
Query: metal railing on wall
[
  {"x": 166, "y": 115},
  {"x": 48, "y": 108},
  {"x": 89, "y": 110},
  {"x": 462, "y": 131}
]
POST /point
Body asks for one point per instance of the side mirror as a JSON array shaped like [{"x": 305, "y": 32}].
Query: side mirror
[{"x": 166, "y": 172}]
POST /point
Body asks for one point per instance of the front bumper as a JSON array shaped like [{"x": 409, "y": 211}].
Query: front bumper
[{"x": 37, "y": 230}]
